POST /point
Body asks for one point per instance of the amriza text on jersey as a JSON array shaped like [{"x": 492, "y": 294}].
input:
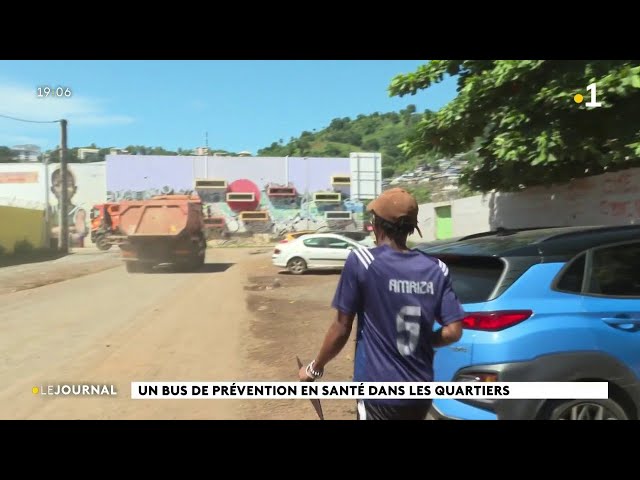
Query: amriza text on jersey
[{"x": 408, "y": 286}]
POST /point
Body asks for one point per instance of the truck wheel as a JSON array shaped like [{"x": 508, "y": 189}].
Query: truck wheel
[
  {"x": 201, "y": 254},
  {"x": 102, "y": 243},
  {"x": 134, "y": 267},
  {"x": 197, "y": 262}
]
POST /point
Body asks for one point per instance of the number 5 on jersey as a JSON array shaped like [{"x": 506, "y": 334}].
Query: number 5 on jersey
[{"x": 408, "y": 329}]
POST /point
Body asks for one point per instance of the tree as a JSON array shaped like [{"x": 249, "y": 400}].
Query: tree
[
  {"x": 337, "y": 124},
  {"x": 371, "y": 145},
  {"x": 332, "y": 151},
  {"x": 531, "y": 129},
  {"x": 72, "y": 155},
  {"x": 7, "y": 155},
  {"x": 407, "y": 114},
  {"x": 387, "y": 171}
]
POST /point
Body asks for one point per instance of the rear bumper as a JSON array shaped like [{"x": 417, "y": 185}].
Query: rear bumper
[
  {"x": 449, "y": 409},
  {"x": 160, "y": 252},
  {"x": 436, "y": 414},
  {"x": 564, "y": 367},
  {"x": 278, "y": 261}
]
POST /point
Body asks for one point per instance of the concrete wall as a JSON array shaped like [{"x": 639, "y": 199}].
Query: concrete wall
[
  {"x": 608, "y": 199},
  {"x": 22, "y": 183},
  {"x": 18, "y": 224},
  {"x": 32, "y": 185}
]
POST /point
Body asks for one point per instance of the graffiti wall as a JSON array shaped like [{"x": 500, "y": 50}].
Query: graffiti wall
[
  {"x": 245, "y": 194},
  {"x": 85, "y": 187},
  {"x": 36, "y": 185}
]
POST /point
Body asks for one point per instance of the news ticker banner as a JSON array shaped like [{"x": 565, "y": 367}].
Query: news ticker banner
[{"x": 369, "y": 390}]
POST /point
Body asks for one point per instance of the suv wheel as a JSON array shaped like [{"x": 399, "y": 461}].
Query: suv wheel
[{"x": 585, "y": 410}]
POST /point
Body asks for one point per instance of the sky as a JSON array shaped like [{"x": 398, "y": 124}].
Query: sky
[{"x": 238, "y": 105}]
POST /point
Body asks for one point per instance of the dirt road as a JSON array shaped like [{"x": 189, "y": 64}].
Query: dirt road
[
  {"x": 80, "y": 262},
  {"x": 230, "y": 322}
]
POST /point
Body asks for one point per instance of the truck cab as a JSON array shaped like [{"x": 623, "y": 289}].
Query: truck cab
[{"x": 104, "y": 224}]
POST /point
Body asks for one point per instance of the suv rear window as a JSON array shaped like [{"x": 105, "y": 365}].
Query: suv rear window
[
  {"x": 616, "y": 271},
  {"x": 474, "y": 278},
  {"x": 571, "y": 280}
]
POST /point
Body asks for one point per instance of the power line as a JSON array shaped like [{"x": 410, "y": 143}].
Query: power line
[{"x": 29, "y": 121}]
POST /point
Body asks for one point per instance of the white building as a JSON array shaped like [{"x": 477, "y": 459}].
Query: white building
[
  {"x": 88, "y": 153},
  {"x": 27, "y": 153}
]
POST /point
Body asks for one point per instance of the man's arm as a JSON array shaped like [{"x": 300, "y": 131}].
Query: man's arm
[
  {"x": 335, "y": 339},
  {"x": 347, "y": 301},
  {"x": 447, "y": 335},
  {"x": 450, "y": 314}
]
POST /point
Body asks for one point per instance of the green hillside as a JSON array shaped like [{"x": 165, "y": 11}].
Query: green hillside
[{"x": 378, "y": 132}]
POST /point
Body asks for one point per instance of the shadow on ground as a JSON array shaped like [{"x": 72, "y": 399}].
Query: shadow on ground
[
  {"x": 215, "y": 267},
  {"x": 206, "y": 268},
  {"x": 311, "y": 273},
  {"x": 13, "y": 259}
]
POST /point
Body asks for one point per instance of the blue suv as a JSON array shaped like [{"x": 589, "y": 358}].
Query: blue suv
[{"x": 552, "y": 304}]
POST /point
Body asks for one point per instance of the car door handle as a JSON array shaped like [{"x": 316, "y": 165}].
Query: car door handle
[{"x": 623, "y": 322}]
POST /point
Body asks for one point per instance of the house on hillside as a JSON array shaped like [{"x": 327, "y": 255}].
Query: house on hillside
[{"x": 26, "y": 153}]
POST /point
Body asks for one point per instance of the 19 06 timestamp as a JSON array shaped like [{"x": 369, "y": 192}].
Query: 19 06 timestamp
[{"x": 59, "y": 92}]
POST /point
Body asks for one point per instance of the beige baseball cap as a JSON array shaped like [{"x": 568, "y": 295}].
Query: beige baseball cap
[{"x": 396, "y": 205}]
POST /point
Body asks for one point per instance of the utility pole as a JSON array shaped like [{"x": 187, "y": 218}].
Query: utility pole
[
  {"x": 206, "y": 152},
  {"x": 63, "y": 239},
  {"x": 47, "y": 211},
  {"x": 306, "y": 188}
]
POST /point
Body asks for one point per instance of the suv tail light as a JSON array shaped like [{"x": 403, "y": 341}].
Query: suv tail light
[
  {"x": 284, "y": 241},
  {"x": 495, "y": 321},
  {"x": 477, "y": 377},
  {"x": 276, "y": 251}
]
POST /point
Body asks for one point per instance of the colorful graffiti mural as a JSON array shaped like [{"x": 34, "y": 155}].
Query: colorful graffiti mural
[
  {"x": 36, "y": 185},
  {"x": 246, "y": 195},
  {"x": 78, "y": 217}
]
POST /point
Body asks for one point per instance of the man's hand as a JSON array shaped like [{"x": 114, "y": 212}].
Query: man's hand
[
  {"x": 302, "y": 375},
  {"x": 447, "y": 335}
]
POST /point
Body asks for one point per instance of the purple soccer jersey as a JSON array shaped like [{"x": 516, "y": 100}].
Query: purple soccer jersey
[{"x": 397, "y": 297}]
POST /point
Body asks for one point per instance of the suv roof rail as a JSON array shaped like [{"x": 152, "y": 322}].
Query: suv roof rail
[
  {"x": 502, "y": 231},
  {"x": 595, "y": 229}
]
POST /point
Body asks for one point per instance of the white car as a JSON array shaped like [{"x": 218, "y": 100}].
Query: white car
[{"x": 320, "y": 251}]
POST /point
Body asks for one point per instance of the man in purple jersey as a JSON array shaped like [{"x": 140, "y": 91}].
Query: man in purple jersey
[{"x": 397, "y": 294}]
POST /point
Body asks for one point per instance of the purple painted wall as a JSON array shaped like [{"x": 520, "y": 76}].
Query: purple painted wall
[
  {"x": 139, "y": 173},
  {"x": 142, "y": 172},
  {"x": 318, "y": 170},
  {"x": 259, "y": 170}
]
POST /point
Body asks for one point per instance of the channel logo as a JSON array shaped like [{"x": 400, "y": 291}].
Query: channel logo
[{"x": 76, "y": 390}]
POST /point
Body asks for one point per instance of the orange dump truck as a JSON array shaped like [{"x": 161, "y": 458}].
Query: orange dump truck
[
  {"x": 105, "y": 219},
  {"x": 166, "y": 229}
]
